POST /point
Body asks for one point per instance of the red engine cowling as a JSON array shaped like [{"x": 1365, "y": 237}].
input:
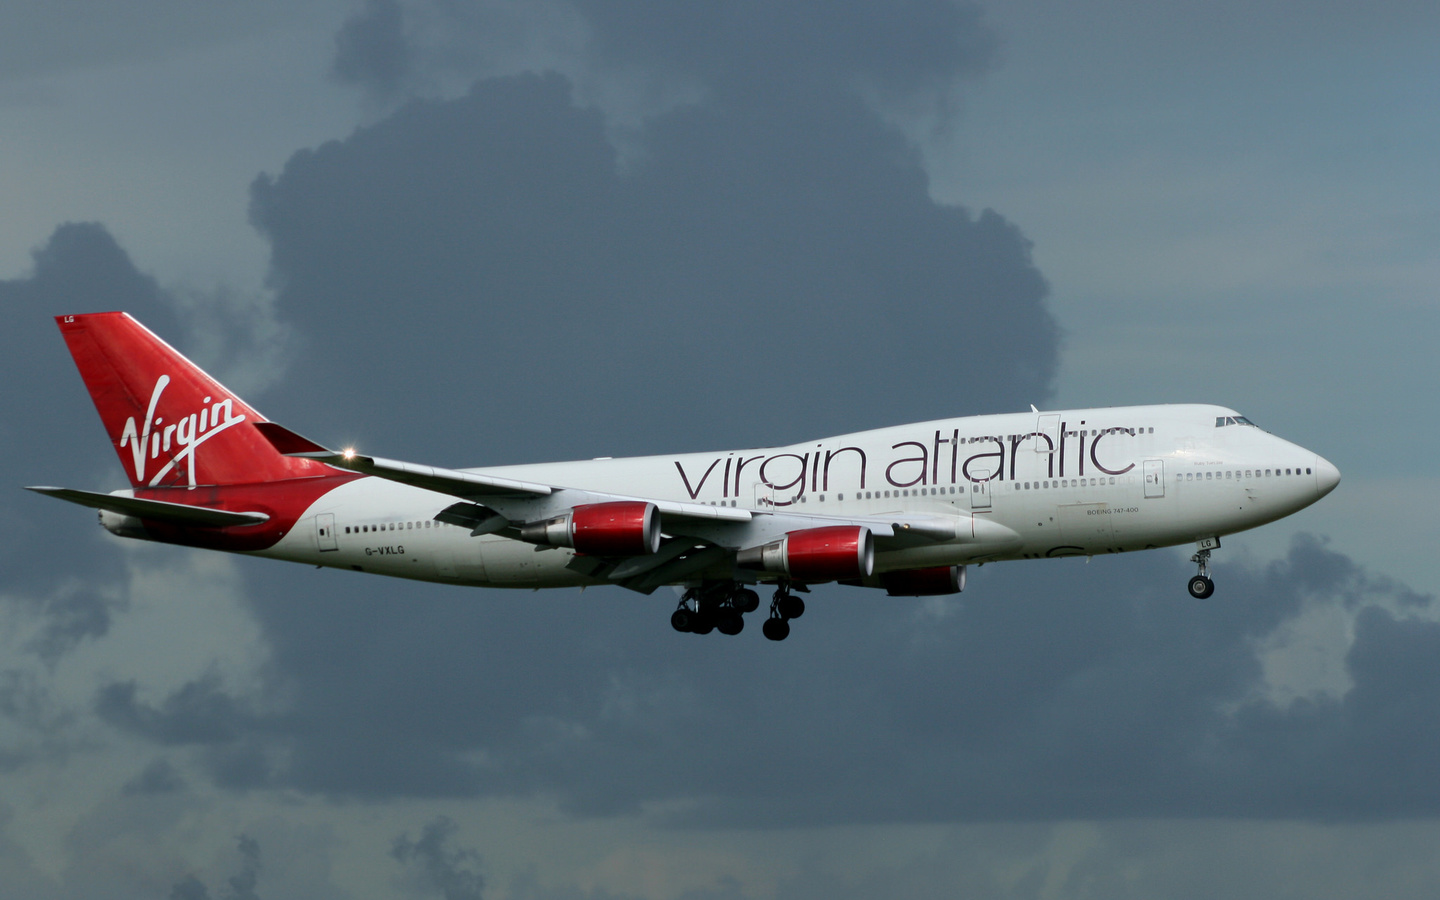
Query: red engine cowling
[
  {"x": 622, "y": 528},
  {"x": 815, "y": 554},
  {"x": 931, "y": 582}
]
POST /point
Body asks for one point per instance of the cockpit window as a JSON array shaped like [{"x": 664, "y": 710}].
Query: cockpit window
[{"x": 1222, "y": 421}]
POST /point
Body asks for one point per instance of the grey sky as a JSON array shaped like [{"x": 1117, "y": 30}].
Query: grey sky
[{"x": 468, "y": 233}]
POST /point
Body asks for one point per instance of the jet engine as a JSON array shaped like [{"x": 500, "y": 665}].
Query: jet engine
[
  {"x": 930, "y": 582},
  {"x": 815, "y": 554},
  {"x": 621, "y": 528}
]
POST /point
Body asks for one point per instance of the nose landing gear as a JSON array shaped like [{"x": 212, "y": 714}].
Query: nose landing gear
[{"x": 1201, "y": 586}]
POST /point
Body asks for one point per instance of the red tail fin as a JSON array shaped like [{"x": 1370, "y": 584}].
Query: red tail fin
[{"x": 171, "y": 424}]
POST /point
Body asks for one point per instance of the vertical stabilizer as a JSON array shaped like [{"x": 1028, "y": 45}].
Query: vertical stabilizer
[{"x": 171, "y": 424}]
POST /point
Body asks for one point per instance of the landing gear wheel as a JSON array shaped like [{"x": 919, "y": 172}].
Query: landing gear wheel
[
  {"x": 1201, "y": 587},
  {"x": 776, "y": 629},
  {"x": 703, "y": 625},
  {"x": 746, "y": 600},
  {"x": 790, "y": 606},
  {"x": 730, "y": 622},
  {"x": 682, "y": 620}
]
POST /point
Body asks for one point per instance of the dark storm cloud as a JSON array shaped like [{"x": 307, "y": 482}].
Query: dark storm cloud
[
  {"x": 197, "y": 713},
  {"x": 755, "y": 45},
  {"x": 436, "y": 866},
  {"x": 768, "y": 274},
  {"x": 49, "y": 434},
  {"x": 69, "y": 617},
  {"x": 371, "y": 51},
  {"x": 1054, "y": 690},
  {"x": 240, "y": 886},
  {"x": 159, "y": 777}
]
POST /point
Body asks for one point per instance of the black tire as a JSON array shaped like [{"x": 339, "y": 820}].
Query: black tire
[
  {"x": 791, "y": 607},
  {"x": 730, "y": 622},
  {"x": 746, "y": 600},
  {"x": 682, "y": 620},
  {"x": 703, "y": 625},
  {"x": 776, "y": 629},
  {"x": 1201, "y": 587}
]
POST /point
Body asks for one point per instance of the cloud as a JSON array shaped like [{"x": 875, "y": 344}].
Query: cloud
[
  {"x": 371, "y": 50},
  {"x": 69, "y": 616},
  {"x": 782, "y": 261},
  {"x": 1053, "y": 691},
  {"x": 159, "y": 777},
  {"x": 240, "y": 886},
  {"x": 436, "y": 867},
  {"x": 760, "y": 48}
]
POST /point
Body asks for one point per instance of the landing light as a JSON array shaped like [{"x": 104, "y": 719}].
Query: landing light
[{"x": 349, "y": 453}]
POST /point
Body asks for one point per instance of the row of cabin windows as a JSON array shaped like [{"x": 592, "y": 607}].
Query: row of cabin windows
[
  {"x": 1083, "y": 432},
  {"x": 871, "y": 495},
  {"x": 1061, "y": 483},
  {"x": 391, "y": 526},
  {"x": 1231, "y": 474}
]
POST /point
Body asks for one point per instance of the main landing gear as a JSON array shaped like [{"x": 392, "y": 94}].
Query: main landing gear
[
  {"x": 714, "y": 606},
  {"x": 1201, "y": 586},
  {"x": 721, "y": 606},
  {"x": 784, "y": 607}
]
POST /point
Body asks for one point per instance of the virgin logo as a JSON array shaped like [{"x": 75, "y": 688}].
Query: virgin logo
[{"x": 185, "y": 434}]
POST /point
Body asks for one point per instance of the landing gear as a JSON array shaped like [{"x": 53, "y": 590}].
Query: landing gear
[
  {"x": 714, "y": 606},
  {"x": 776, "y": 629},
  {"x": 1201, "y": 586},
  {"x": 784, "y": 607},
  {"x": 721, "y": 606}
]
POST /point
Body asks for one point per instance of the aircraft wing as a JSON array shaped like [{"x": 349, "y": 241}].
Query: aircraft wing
[
  {"x": 486, "y": 490},
  {"x": 698, "y": 534}
]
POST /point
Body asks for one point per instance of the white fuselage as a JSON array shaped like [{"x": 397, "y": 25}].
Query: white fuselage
[{"x": 1076, "y": 482}]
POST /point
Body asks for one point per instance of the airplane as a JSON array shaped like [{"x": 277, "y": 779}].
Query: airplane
[{"x": 905, "y": 509}]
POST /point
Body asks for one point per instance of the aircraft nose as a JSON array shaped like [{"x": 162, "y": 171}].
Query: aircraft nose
[{"x": 1326, "y": 475}]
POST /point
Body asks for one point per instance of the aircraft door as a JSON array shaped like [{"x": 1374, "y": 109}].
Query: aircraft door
[
  {"x": 980, "y": 492},
  {"x": 1154, "y": 478},
  {"x": 325, "y": 532}
]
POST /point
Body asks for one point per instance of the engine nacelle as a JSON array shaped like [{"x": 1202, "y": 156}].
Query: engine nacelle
[
  {"x": 621, "y": 528},
  {"x": 932, "y": 582},
  {"x": 815, "y": 554}
]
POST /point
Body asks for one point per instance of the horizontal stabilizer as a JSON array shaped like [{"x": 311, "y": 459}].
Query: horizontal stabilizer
[{"x": 155, "y": 510}]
